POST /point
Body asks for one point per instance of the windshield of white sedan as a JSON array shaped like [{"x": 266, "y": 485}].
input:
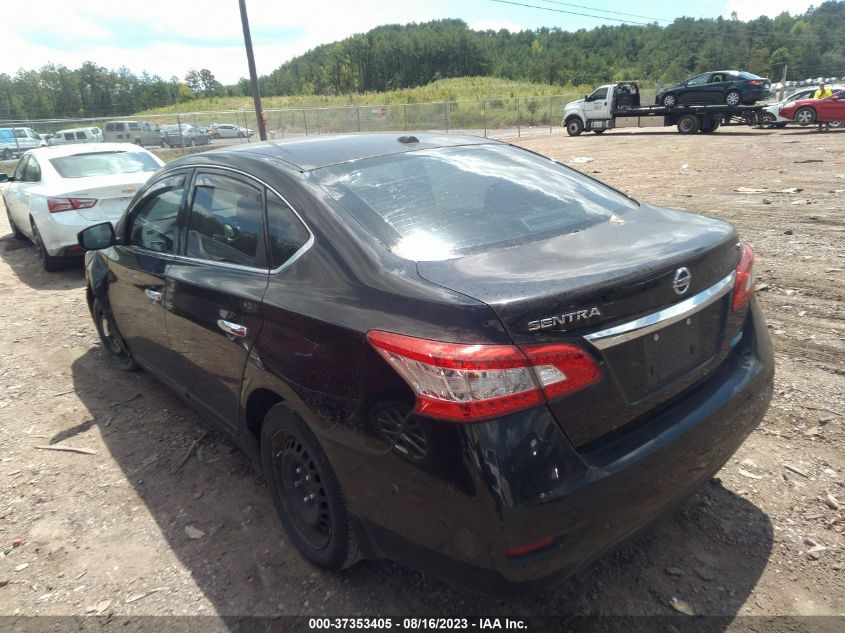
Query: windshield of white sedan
[
  {"x": 103, "y": 163},
  {"x": 444, "y": 203}
]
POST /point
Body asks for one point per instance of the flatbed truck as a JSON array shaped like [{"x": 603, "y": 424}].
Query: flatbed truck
[{"x": 617, "y": 105}]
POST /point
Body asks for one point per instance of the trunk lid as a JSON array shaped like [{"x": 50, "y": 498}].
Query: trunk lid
[
  {"x": 112, "y": 193},
  {"x": 571, "y": 286}
]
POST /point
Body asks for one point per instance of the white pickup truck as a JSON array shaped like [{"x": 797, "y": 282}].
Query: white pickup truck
[{"x": 617, "y": 105}]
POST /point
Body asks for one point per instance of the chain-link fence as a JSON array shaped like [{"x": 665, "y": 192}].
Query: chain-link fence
[{"x": 500, "y": 118}]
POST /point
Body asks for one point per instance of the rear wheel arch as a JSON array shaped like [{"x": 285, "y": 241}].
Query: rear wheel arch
[{"x": 258, "y": 404}]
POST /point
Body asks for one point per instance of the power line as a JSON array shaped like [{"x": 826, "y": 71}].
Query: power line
[
  {"x": 586, "y": 15},
  {"x": 630, "y": 15}
]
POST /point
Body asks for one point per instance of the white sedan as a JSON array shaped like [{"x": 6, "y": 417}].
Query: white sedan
[
  {"x": 56, "y": 192},
  {"x": 227, "y": 130}
]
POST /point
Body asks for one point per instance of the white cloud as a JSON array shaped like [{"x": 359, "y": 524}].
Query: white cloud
[{"x": 157, "y": 30}]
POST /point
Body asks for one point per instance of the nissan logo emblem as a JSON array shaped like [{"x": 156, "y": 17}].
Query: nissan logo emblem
[{"x": 681, "y": 281}]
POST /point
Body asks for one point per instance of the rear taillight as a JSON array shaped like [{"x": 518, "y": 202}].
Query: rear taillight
[
  {"x": 744, "y": 283},
  {"x": 756, "y": 82},
  {"x": 56, "y": 205},
  {"x": 469, "y": 383}
]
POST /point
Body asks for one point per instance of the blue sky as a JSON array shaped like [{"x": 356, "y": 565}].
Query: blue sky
[{"x": 170, "y": 37}]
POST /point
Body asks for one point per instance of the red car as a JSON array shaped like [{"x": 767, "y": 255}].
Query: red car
[{"x": 809, "y": 111}]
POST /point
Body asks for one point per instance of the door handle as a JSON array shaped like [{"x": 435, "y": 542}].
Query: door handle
[
  {"x": 155, "y": 295},
  {"x": 235, "y": 329}
]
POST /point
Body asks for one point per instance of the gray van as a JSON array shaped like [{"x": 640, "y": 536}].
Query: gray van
[{"x": 138, "y": 132}]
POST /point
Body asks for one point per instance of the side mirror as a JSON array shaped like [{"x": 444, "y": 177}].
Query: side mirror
[
  {"x": 4, "y": 177},
  {"x": 96, "y": 237}
]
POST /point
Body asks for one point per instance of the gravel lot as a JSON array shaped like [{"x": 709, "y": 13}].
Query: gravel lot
[{"x": 114, "y": 532}]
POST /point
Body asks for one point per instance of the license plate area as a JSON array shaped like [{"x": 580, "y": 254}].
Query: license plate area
[{"x": 648, "y": 363}]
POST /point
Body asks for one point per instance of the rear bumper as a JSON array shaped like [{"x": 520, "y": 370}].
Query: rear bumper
[
  {"x": 59, "y": 232},
  {"x": 519, "y": 481}
]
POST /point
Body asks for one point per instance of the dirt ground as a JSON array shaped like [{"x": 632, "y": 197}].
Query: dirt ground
[{"x": 114, "y": 532}]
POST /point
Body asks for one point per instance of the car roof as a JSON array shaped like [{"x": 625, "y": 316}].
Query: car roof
[
  {"x": 58, "y": 151},
  {"x": 321, "y": 151}
]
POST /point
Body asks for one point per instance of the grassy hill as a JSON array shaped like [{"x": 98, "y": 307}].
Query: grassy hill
[{"x": 454, "y": 89}]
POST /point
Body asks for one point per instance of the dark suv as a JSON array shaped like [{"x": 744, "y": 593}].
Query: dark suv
[
  {"x": 446, "y": 351},
  {"x": 731, "y": 87}
]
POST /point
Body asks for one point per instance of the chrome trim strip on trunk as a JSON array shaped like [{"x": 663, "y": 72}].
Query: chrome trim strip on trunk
[{"x": 660, "y": 319}]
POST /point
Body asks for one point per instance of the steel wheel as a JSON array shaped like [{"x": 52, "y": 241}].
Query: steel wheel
[
  {"x": 688, "y": 124},
  {"x": 670, "y": 101},
  {"x": 733, "y": 98},
  {"x": 805, "y": 116},
  {"x": 301, "y": 486},
  {"x": 305, "y": 491},
  {"x": 111, "y": 339}
]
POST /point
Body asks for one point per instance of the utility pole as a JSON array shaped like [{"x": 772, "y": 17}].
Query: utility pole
[
  {"x": 253, "y": 77},
  {"x": 782, "y": 90}
]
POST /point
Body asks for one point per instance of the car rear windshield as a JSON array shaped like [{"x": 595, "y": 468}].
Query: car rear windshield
[
  {"x": 444, "y": 203},
  {"x": 747, "y": 75},
  {"x": 102, "y": 163}
]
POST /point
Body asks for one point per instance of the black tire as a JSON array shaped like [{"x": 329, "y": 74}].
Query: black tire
[
  {"x": 240, "y": 134},
  {"x": 805, "y": 116},
  {"x": 305, "y": 491},
  {"x": 688, "y": 124},
  {"x": 669, "y": 101},
  {"x": 598, "y": 131},
  {"x": 16, "y": 232},
  {"x": 51, "y": 263},
  {"x": 767, "y": 120},
  {"x": 733, "y": 98},
  {"x": 112, "y": 341},
  {"x": 574, "y": 127},
  {"x": 7, "y": 154},
  {"x": 138, "y": 142}
]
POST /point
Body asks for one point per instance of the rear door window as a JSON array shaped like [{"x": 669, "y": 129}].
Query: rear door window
[
  {"x": 134, "y": 125},
  {"x": 226, "y": 220},
  {"x": 447, "y": 202},
  {"x": 80, "y": 136}
]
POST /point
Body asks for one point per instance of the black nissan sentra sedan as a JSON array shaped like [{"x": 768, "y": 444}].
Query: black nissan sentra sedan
[{"x": 445, "y": 351}]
